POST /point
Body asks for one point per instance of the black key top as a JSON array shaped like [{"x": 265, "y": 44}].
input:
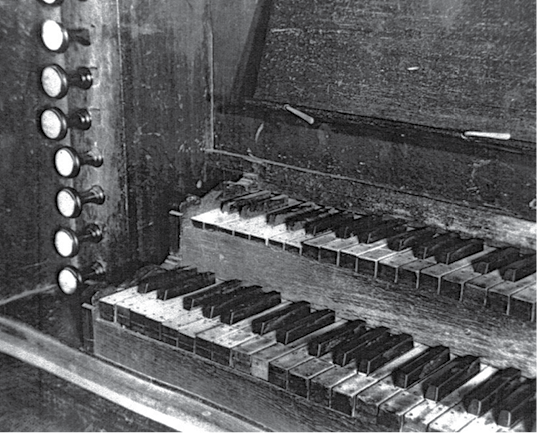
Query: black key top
[
  {"x": 324, "y": 343},
  {"x": 345, "y": 352},
  {"x": 187, "y": 286},
  {"x": 249, "y": 307},
  {"x": 353, "y": 227},
  {"x": 485, "y": 396},
  {"x": 223, "y": 288},
  {"x": 518, "y": 406},
  {"x": 297, "y": 222},
  {"x": 307, "y": 325},
  {"x": 281, "y": 318},
  {"x": 410, "y": 238},
  {"x": 278, "y": 216},
  {"x": 496, "y": 260},
  {"x": 165, "y": 280},
  {"x": 329, "y": 222},
  {"x": 369, "y": 361},
  {"x": 263, "y": 206},
  {"x": 383, "y": 230},
  {"x": 459, "y": 251},
  {"x": 224, "y": 303},
  {"x": 237, "y": 203},
  {"x": 431, "y": 247},
  {"x": 520, "y": 269},
  {"x": 450, "y": 376},
  {"x": 420, "y": 367}
]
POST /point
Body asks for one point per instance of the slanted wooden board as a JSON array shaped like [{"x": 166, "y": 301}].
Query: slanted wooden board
[{"x": 457, "y": 65}]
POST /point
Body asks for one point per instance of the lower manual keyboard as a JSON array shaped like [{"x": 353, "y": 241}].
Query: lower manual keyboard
[{"x": 346, "y": 366}]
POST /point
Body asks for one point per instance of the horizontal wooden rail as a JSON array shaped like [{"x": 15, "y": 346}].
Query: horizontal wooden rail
[{"x": 152, "y": 401}]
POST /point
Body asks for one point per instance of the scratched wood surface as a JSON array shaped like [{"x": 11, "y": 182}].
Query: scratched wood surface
[{"x": 458, "y": 64}]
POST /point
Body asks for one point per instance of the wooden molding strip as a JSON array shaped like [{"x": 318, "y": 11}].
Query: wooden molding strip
[{"x": 159, "y": 404}]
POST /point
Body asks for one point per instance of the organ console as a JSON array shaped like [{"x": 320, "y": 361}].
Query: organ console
[{"x": 320, "y": 218}]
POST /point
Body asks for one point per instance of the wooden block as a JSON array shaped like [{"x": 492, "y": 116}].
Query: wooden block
[
  {"x": 476, "y": 290},
  {"x": 300, "y": 376},
  {"x": 368, "y": 261},
  {"x": 241, "y": 356},
  {"x": 348, "y": 257},
  {"x": 322, "y": 385},
  {"x": 388, "y": 268},
  {"x": 431, "y": 277},
  {"x": 278, "y": 371},
  {"x": 522, "y": 304},
  {"x": 409, "y": 273},
  {"x": 330, "y": 252}
]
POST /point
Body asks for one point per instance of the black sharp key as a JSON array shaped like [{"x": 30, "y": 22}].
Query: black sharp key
[
  {"x": 495, "y": 260},
  {"x": 278, "y": 216},
  {"x": 485, "y": 396},
  {"x": 224, "y": 303},
  {"x": 324, "y": 343},
  {"x": 420, "y": 366},
  {"x": 410, "y": 238},
  {"x": 519, "y": 269},
  {"x": 237, "y": 203},
  {"x": 345, "y": 352},
  {"x": 225, "y": 287},
  {"x": 350, "y": 229},
  {"x": 279, "y": 319},
  {"x": 188, "y": 285},
  {"x": 250, "y": 307},
  {"x": 329, "y": 222},
  {"x": 369, "y": 361},
  {"x": 459, "y": 251},
  {"x": 297, "y": 222},
  {"x": 450, "y": 376},
  {"x": 431, "y": 246},
  {"x": 518, "y": 406},
  {"x": 307, "y": 325},
  {"x": 165, "y": 280},
  {"x": 380, "y": 231},
  {"x": 263, "y": 206}
]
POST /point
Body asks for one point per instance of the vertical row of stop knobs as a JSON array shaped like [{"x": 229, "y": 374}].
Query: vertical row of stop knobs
[{"x": 54, "y": 124}]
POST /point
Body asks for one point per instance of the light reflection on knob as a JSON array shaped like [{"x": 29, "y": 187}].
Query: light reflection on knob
[
  {"x": 68, "y": 162},
  {"x": 55, "y": 81},
  {"x": 55, "y": 124},
  {"x": 67, "y": 242},
  {"x": 56, "y": 37},
  {"x": 70, "y": 279},
  {"x": 52, "y": 2},
  {"x": 70, "y": 202}
]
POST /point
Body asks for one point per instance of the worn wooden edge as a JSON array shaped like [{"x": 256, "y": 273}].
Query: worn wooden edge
[
  {"x": 353, "y": 124},
  {"x": 164, "y": 406},
  {"x": 498, "y": 339},
  {"x": 475, "y": 221},
  {"x": 246, "y": 395}
]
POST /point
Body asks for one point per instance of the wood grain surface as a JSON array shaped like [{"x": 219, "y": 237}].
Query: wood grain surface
[{"x": 455, "y": 64}]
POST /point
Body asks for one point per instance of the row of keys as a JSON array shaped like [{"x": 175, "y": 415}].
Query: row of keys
[
  {"x": 343, "y": 365},
  {"x": 386, "y": 248}
]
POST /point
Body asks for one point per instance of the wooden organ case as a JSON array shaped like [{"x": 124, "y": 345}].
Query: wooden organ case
[{"x": 341, "y": 199}]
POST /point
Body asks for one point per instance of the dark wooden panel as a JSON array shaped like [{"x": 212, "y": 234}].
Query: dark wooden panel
[
  {"x": 165, "y": 50},
  {"x": 461, "y": 65},
  {"x": 27, "y": 212}
]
